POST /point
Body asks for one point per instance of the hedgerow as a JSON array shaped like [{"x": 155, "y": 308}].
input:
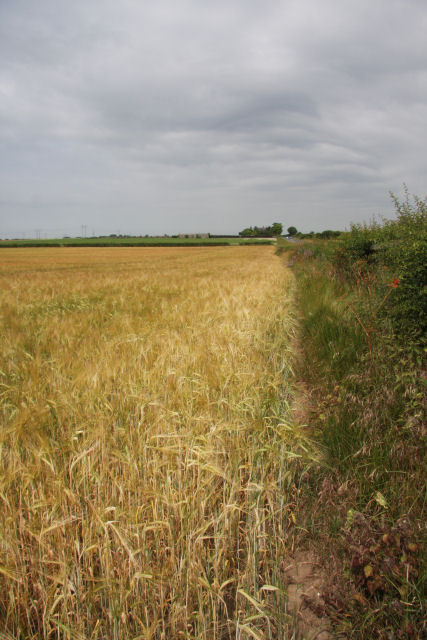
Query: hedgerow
[
  {"x": 362, "y": 314},
  {"x": 394, "y": 253}
]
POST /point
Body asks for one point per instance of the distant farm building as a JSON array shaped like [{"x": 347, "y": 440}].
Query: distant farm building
[{"x": 193, "y": 235}]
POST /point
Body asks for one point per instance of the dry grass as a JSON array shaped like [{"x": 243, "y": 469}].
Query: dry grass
[{"x": 147, "y": 452}]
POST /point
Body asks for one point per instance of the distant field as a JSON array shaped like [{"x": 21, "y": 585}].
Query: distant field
[
  {"x": 148, "y": 457},
  {"x": 133, "y": 242}
]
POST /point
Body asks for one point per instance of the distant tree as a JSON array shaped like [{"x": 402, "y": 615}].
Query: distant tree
[
  {"x": 264, "y": 232},
  {"x": 328, "y": 233},
  {"x": 276, "y": 229},
  {"x": 248, "y": 232},
  {"x": 292, "y": 231}
]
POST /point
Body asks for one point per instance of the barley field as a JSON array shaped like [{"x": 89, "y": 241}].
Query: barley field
[{"x": 148, "y": 455}]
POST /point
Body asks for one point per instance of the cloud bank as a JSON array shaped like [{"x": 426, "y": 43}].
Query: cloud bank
[{"x": 169, "y": 117}]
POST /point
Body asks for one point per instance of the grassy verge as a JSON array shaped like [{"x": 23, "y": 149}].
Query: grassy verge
[{"x": 365, "y": 403}]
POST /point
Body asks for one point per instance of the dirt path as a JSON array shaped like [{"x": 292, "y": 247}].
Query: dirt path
[{"x": 304, "y": 578}]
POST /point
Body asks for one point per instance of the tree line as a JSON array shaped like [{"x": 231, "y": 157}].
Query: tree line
[
  {"x": 276, "y": 229},
  {"x": 263, "y": 232}
]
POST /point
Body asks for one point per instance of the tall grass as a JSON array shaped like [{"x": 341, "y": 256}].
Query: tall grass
[
  {"x": 367, "y": 406},
  {"x": 147, "y": 449}
]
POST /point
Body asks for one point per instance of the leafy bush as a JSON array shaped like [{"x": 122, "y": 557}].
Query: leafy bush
[
  {"x": 394, "y": 253},
  {"x": 403, "y": 247},
  {"x": 356, "y": 251}
]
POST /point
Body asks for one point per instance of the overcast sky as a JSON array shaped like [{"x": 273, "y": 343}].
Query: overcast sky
[{"x": 167, "y": 116}]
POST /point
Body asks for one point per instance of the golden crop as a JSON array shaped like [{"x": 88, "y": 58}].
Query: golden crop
[{"x": 147, "y": 452}]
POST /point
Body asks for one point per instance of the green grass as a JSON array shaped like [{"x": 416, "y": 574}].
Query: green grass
[
  {"x": 366, "y": 407},
  {"x": 131, "y": 241}
]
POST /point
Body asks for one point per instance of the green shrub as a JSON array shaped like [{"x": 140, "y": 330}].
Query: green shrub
[
  {"x": 393, "y": 253},
  {"x": 356, "y": 251},
  {"x": 403, "y": 250}
]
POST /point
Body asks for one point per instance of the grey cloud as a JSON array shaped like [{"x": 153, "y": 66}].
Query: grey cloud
[{"x": 164, "y": 115}]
